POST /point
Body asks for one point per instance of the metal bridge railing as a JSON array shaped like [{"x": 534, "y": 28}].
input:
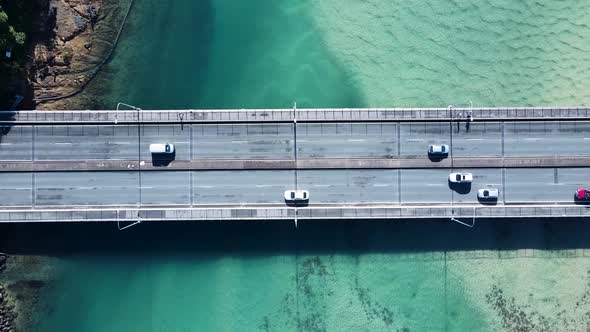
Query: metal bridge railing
[
  {"x": 262, "y": 115},
  {"x": 287, "y": 213}
]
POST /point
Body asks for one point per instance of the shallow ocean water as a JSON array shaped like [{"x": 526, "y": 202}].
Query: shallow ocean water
[{"x": 376, "y": 276}]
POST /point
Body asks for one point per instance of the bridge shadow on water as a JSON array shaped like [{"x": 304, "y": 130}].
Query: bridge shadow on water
[{"x": 281, "y": 237}]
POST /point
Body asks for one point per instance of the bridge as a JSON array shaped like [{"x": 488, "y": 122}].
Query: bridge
[{"x": 235, "y": 164}]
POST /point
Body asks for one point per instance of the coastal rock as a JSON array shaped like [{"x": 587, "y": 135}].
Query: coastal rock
[
  {"x": 72, "y": 38},
  {"x": 89, "y": 12},
  {"x": 7, "y": 313},
  {"x": 68, "y": 22},
  {"x": 63, "y": 58},
  {"x": 42, "y": 55}
]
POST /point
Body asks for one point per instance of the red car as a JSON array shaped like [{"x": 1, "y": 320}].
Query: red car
[{"x": 583, "y": 193}]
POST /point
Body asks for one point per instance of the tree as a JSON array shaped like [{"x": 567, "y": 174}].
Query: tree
[{"x": 9, "y": 37}]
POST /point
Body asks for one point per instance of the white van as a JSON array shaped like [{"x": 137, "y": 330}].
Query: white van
[{"x": 162, "y": 148}]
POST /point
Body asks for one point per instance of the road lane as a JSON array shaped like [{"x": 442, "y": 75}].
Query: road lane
[
  {"x": 478, "y": 139},
  {"x": 420, "y": 186},
  {"x": 243, "y": 141},
  {"x": 237, "y": 187},
  {"x": 547, "y": 138},
  {"x": 350, "y": 186},
  {"x": 165, "y": 188},
  {"x": 544, "y": 184},
  {"x": 81, "y": 188},
  {"x": 347, "y": 140},
  {"x": 85, "y": 142},
  {"x": 16, "y": 189},
  {"x": 483, "y": 178},
  {"x": 268, "y": 141},
  {"x": 16, "y": 142},
  {"x": 415, "y": 137},
  {"x": 178, "y": 135},
  {"x": 267, "y": 187},
  {"x": 106, "y": 142}
]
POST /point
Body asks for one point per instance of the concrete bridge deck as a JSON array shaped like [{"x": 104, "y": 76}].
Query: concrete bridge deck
[
  {"x": 235, "y": 164},
  {"x": 288, "y": 115}
]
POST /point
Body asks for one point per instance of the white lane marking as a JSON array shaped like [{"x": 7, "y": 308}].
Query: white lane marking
[
  {"x": 263, "y": 185},
  {"x": 533, "y": 139},
  {"x": 239, "y": 142},
  {"x": 435, "y": 185},
  {"x": 22, "y": 188},
  {"x": 5, "y": 143},
  {"x": 301, "y": 140},
  {"x": 321, "y": 185},
  {"x": 180, "y": 142},
  {"x": 381, "y": 185},
  {"x": 474, "y": 139},
  {"x": 63, "y": 143},
  {"x": 121, "y": 142},
  {"x": 586, "y": 137},
  {"x": 146, "y": 187},
  {"x": 203, "y": 186},
  {"x": 85, "y": 188},
  {"x": 356, "y": 140},
  {"x": 414, "y": 139}
]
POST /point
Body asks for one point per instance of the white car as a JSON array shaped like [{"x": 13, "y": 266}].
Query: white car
[
  {"x": 296, "y": 195},
  {"x": 162, "y": 148},
  {"x": 460, "y": 177},
  {"x": 436, "y": 149},
  {"x": 491, "y": 193}
]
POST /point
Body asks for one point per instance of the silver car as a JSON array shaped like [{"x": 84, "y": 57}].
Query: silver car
[
  {"x": 491, "y": 193},
  {"x": 461, "y": 177},
  {"x": 296, "y": 195},
  {"x": 438, "y": 149}
]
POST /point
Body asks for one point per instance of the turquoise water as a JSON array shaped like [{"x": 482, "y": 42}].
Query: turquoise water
[
  {"x": 323, "y": 276},
  {"x": 332, "y": 277},
  {"x": 330, "y": 53}
]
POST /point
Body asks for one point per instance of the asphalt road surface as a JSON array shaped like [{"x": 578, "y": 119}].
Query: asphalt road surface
[
  {"x": 266, "y": 187},
  {"x": 387, "y": 140}
]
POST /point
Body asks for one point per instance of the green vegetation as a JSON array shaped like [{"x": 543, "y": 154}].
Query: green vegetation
[{"x": 15, "y": 26}]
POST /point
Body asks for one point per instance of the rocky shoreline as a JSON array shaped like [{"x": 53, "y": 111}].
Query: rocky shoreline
[
  {"x": 71, "y": 38},
  {"x": 7, "y": 310}
]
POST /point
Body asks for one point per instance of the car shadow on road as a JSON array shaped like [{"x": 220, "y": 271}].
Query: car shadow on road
[
  {"x": 297, "y": 204},
  {"x": 162, "y": 159},
  {"x": 460, "y": 188},
  {"x": 488, "y": 201},
  {"x": 436, "y": 159},
  {"x": 578, "y": 201}
]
